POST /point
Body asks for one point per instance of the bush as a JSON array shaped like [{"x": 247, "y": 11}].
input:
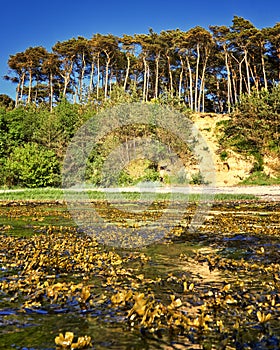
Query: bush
[
  {"x": 260, "y": 179},
  {"x": 254, "y": 125},
  {"x": 223, "y": 155},
  {"x": 31, "y": 166},
  {"x": 198, "y": 179}
]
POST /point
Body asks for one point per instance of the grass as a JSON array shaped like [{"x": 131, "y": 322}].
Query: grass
[
  {"x": 56, "y": 194},
  {"x": 259, "y": 178}
]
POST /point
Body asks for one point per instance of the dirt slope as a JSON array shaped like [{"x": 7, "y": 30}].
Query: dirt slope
[{"x": 236, "y": 167}]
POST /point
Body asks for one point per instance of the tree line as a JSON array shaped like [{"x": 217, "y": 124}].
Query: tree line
[
  {"x": 33, "y": 139},
  {"x": 209, "y": 70}
]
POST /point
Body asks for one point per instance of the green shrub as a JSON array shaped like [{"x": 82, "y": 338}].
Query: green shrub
[
  {"x": 124, "y": 179},
  {"x": 151, "y": 175},
  {"x": 197, "y": 179},
  {"x": 254, "y": 125},
  {"x": 223, "y": 155},
  {"x": 261, "y": 179},
  {"x": 31, "y": 166}
]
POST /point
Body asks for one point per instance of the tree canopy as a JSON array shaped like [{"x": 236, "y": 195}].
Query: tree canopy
[
  {"x": 208, "y": 70},
  {"x": 233, "y": 70}
]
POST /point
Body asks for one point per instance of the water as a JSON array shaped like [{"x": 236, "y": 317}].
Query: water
[{"x": 229, "y": 268}]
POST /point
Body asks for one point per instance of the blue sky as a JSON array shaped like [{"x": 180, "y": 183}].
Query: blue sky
[{"x": 43, "y": 23}]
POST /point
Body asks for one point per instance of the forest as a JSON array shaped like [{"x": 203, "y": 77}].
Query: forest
[
  {"x": 208, "y": 69},
  {"x": 233, "y": 70}
]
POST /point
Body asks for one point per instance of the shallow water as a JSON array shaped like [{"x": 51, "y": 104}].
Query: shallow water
[{"x": 237, "y": 246}]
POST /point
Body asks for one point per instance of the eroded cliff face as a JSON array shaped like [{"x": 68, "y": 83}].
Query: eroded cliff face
[
  {"x": 230, "y": 167},
  {"x": 233, "y": 167},
  {"x": 272, "y": 165}
]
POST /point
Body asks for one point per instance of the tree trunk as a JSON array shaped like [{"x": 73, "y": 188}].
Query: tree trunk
[
  {"x": 110, "y": 81},
  {"x": 106, "y": 74},
  {"x": 147, "y": 87},
  {"x": 196, "y": 79},
  {"x": 75, "y": 94},
  {"x": 202, "y": 84},
  {"x": 127, "y": 72},
  {"x": 246, "y": 84},
  {"x": 66, "y": 76},
  {"x": 234, "y": 88},
  {"x": 145, "y": 78},
  {"x": 98, "y": 76},
  {"x": 240, "y": 78},
  {"x": 157, "y": 73},
  {"x": 30, "y": 86},
  {"x": 247, "y": 71},
  {"x": 263, "y": 70},
  {"x": 220, "y": 103},
  {"x": 51, "y": 91},
  {"x": 22, "y": 86},
  {"x": 66, "y": 81},
  {"x": 203, "y": 96},
  {"x": 17, "y": 93},
  {"x": 170, "y": 76},
  {"x": 190, "y": 83},
  {"x": 228, "y": 81},
  {"x": 82, "y": 75},
  {"x": 181, "y": 78},
  {"x": 254, "y": 76},
  {"x": 36, "y": 89},
  {"x": 91, "y": 77},
  {"x": 187, "y": 91}
]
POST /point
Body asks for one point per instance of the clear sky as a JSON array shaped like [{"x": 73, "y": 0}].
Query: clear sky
[{"x": 26, "y": 23}]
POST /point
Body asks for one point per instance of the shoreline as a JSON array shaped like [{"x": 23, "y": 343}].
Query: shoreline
[{"x": 269, "y": 192}]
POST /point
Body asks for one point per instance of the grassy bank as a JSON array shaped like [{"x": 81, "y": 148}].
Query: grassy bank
[
  {"x": 56, "y": 194},
  {"x": 259, "y": 178}
]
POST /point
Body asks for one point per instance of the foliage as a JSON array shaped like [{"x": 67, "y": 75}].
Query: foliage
[
  {"x": 252, "y": 130},
  {"x": 31, "y": 166},
  {"x": 260, "y": 179},
  {"x": 255, "y": 125},
  {"x": 57, "y": 194},
  {"x": 197, "y": 179},
  {"x": 19, "y": 125},
  {"x": 69, "y": 118},
  {"x": 223, "y": 155},
  {"x": 224, "y": 69},
  {"x": 199, "y": 69},
  {"x": 6, "y": 101}
]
